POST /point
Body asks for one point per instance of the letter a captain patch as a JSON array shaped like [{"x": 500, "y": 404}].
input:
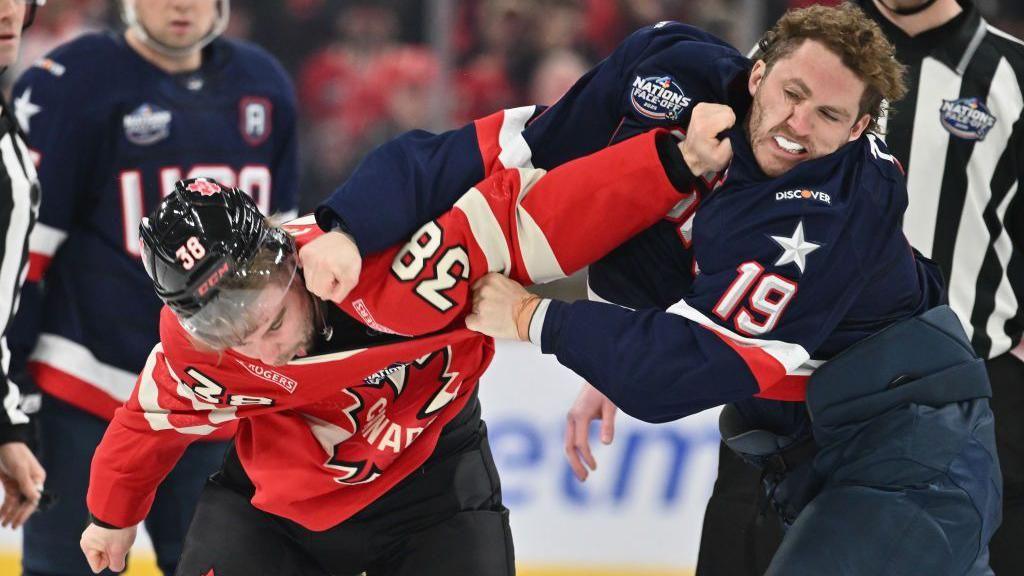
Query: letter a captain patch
[{"x": 255, "y": 120}]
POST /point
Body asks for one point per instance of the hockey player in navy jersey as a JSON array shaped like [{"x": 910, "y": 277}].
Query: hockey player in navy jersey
[
  {"x": 799, "y": 259},
  {"x": 790, "y": 255},
  {"x": 113, "y": 121}
]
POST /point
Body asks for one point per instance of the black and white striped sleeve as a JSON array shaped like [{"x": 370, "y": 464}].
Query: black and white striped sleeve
[{"x": 19, "y": 206}]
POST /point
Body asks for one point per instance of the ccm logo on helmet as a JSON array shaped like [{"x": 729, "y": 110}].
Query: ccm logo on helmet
[
  {"x": 804, "y": 195},
  {"x": 214, "y": 278}
]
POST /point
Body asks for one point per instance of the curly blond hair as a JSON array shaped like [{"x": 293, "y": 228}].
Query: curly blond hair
[{"x": 849, "y": 34}]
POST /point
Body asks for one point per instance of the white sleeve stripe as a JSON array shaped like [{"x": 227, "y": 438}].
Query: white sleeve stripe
[
  {"x": 791, "y": 356},
  {"x": 808, "y": 368},
  {"x": 45, "y": 239},
  {"x": 538, "y": 257},
  {"x": 278, "y": 218},
  {"x": 13, "y": 395},
  {"x": 13, "y": 265},
  {"x": 515, "y": 152},
  {"x": 149, "y": 392},
  {"x": 486, "y": 230},
  {"x": 537, "y": 322},
  {"x": 306, "y": 220},
  {"x": 72, "y": 358},
  {"x": 14, "y": 257},
  {"x": 595, "y": 297}
]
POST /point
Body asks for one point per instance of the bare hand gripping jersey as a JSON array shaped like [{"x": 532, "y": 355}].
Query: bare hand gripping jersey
[{"x": 324, "y": 435}]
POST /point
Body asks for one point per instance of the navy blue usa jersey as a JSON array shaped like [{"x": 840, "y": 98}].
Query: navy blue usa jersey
[
  {"x": 111, "y": 133},
  {"x": 785, "y": 273},
  {"x": 742, "y": 290}
]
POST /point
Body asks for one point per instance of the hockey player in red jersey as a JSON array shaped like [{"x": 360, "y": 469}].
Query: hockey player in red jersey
[{"x": 360, "y": 445}]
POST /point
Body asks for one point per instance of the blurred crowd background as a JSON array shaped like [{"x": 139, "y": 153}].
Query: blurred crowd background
[{"x": 366, "y": 70}]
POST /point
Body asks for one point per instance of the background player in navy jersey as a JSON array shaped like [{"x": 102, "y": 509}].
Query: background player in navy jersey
[{"x": 114, "y": 119}]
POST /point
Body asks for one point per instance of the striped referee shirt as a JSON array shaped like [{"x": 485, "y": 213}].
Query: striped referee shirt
[
  {"x": 19, "y": 206},
  {"x": 960, "y": 134}
]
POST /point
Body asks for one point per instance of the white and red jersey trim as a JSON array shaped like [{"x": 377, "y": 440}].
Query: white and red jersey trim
[
  {"x": 43, "y": 243},
  {"x": 780, "y": 368}
]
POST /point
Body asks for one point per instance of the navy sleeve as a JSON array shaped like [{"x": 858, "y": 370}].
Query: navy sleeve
[
  {"x": 419, "y": 175},
  {"x": 654, "y": 78},
  {"x": 402, "y": 184},
  {"x": 654, "y": 365}
]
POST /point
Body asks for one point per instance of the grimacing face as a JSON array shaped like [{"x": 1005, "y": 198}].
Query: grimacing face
[
  {"x": 286, "y": 330},
  {"x": 176, "y": 23},
  {"x": 805, "y": 107},
  {"x": 12, "y": 14}
]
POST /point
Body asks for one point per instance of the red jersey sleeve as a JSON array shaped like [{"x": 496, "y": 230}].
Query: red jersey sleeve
[{"x": 529, "y": 224}]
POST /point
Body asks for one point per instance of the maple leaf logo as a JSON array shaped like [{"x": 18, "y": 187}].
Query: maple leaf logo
[{"x": 206, "y": 188}]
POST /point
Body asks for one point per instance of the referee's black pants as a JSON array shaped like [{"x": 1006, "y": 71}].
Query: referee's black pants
[
  {"x": 1006, "y": 549},
  {"x": 446, "y": 518},
  {"x": 741, "y": 530}
]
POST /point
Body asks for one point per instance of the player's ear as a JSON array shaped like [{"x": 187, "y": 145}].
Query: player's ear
[
  {"x": 757, "y": 74},
  {"x": 859, "y": 127}
]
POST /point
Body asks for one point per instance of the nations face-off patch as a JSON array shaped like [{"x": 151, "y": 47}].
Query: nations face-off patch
[
  {"x": 658, "y": 97},
  {"x": 147, "y": 125},
  {"x": 966, "y": 118}
]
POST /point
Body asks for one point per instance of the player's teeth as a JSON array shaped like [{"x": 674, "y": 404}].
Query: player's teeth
[{"x": 788, "y": 145}]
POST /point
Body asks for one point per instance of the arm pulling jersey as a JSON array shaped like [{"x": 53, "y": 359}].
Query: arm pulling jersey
[
  {"x": 322, "y": 436},
  {"x": 111, "y": 133}
]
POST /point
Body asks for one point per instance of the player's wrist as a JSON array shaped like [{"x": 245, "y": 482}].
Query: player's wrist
[
  {"x": 670, "y": 153},
  {"x": 524, "y": 315}
]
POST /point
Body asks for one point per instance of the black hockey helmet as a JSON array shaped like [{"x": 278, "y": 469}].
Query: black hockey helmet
[{"x": 211, "y": 254}]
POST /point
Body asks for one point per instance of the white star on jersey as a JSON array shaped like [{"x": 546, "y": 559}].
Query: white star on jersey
[
  {"x": 795, "y": 249},
  {"x": 25, "y": 108}
]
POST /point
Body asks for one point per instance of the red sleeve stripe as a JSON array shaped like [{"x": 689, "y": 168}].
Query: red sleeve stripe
[
  {"x": 789, "y": 389},
  {"x": 500, "y": 139},
  {"x": 487, "y": 129},
  {"x": 75, "y": 391},
  {"x": 42, "y": 245},
  {"x": 37, "y": 266},
  {"x": 770, "y": 361}
]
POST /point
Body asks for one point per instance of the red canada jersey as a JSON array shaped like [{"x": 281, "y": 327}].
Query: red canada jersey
[{"x": 324, "y": 435}]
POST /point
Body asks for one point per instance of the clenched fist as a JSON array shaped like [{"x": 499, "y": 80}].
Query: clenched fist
[
  {"x": 107, "y": 548},
  {"x": 331, "y": 265},
  {"x": 702, "y": 150}
]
